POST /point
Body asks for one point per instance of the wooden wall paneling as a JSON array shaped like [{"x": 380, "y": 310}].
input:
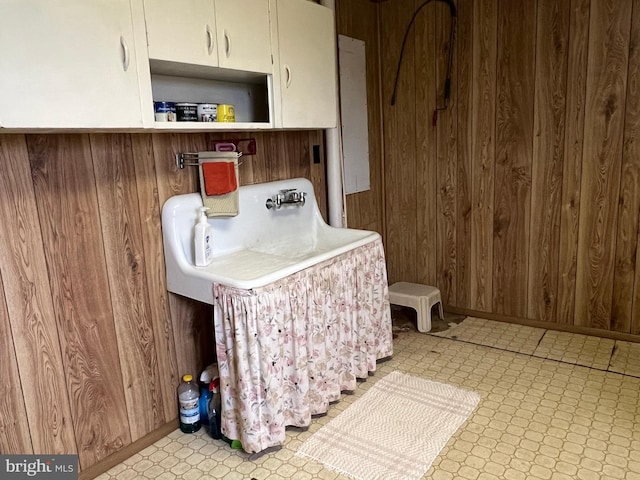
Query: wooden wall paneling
[
  {"x": 358, "y": 19},
  {"x": 300, "y": 158},
  {"x": 31, "y": 323},
  {"x": 514, "y": 137},
  {"x": 246, "y": 169},
  {"x": 548, "y": 154},
  {"x": 349, "y": 17},
  {"x": 483, "y": 134},
  {"x": 249, "y": 170},
  {"x": 369, "y": 203},
  {"x": 399, "y": 140},
  {"x": 288, "y": 155},
  {"x": 258, "y": 162},
  {"x": 419, "y": 203},
  {"x": 284, "y": 155},
  {"x": 191, "y": 318},
  {"x": 149, "y": 206},
  {"x": 14, "y": 429},
  {"x": 172, "y": 180},
  {"x": 356, "y": 210},
  {"x": 626, "y": 274},
  {"x": 193, "y": 334},
  {"x": 572, "y": 165},
  {"x": 276, "y": 163},
  {"x": 297, "y": 154},
  {"x": 69, "y": 215},
  {"x": 446, "y": 161},
  {"x": 374, "y": 199},
  {"x": 363, "y": 211},
  {"x": 635, "y": 321},
  {"x": 609, "y": 31},
  {"x": 317, "y": 171},
  {"x": 360, "y": 213},
  {"x": 192, "y": 330},
  {"x": 119, "y": 215},
  {"x": 464, "y": 101}
]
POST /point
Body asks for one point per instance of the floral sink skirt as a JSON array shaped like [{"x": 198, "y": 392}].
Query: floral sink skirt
[{"x": 287, "y": 349}]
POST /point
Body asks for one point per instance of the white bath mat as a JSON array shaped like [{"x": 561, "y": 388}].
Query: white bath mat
[{"x": 395, "y": 431}]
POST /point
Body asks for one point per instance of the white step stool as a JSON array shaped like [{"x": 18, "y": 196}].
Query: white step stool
[{"x": 419, "y": 297}]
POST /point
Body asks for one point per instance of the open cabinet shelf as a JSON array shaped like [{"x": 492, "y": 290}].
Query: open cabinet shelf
[{"x": 248, "y": 92}]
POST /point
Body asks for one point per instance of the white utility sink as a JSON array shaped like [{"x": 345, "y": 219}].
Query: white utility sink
[{"x": 255, "y": 248}]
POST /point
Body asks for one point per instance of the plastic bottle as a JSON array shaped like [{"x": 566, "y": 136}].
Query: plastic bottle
[
  {"x": 205, "y": 396},
  {"x": 203, "y": 239},
  {"x": 215, "y": 409},
  {"x": 206, "y": 376},
  {"x": 188, "y": 397},
  {"x": 213, "y": 371}
]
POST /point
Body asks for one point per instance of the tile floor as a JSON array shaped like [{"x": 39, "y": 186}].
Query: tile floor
[
  {"x": 582, "y": 350},
  {"x": 594, "y": 352},
  {"x": 540, "y": 417},
  {"x": 505, "y": 336},
  {"x": 626, "y": 359}
]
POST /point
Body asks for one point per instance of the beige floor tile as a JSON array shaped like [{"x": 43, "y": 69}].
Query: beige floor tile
[
  {"x": 626, "y": 358},
  {"x": 505, "y": 336},
  {"x": 538, "y": 419},
  {"x": 593, "y": 352}
]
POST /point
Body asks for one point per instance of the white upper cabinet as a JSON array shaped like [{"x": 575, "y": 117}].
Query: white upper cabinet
[
  {"x": 100, "y": 64},
  {"x": 307, "y": 59},
  {"x": 232, "y": 34},
  {"x": 182, "y": 31},
  {"x": 244, "y": 41},
  {"x": 68, "y": 64}
]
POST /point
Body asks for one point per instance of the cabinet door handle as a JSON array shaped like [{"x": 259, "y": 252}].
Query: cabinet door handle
[
  {"x": 227, "y": 44},
  {"x": 287, "y": 70},
  {"x": 209, "y": 40},
  {"x": 125, "y": 53}
]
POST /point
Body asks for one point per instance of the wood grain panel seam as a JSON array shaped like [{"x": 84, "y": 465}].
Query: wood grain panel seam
[
  {"x": 484, "y": 74},
  {"x": 23, "y": 404},
  {"x": 577, "y": 48},
  {"x": 78, "y": 280},
  {"x": 605, "y": 92},
  {"x": 548, "y": 148},
  {"x": 383, "y": 177},
  {"x": 532, "y": 147},
  {"x": 621, "y": 204},
  {"x": 33, "y": 323},
  {"x": 99, "y": 221}
]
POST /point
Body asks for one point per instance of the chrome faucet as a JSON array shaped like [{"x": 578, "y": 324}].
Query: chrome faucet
[{"x": 288, "y": 196}]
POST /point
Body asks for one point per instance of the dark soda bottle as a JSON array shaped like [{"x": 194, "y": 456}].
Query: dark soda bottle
[{"x": 215, "y": 407}]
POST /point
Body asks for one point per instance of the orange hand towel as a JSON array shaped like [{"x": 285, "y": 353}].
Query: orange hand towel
[{"x": 219, "y": 178}]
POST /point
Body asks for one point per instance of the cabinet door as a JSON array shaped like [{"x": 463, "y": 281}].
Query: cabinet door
[
  {"x": 181, "y": 31},
  {"x": 68, "y": 63},
  {"x": 307, "y": 40},
  {"x": 244, "y": 41}
]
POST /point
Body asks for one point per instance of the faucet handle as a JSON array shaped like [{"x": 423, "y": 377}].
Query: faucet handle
[{"x": 286, "y": 196}]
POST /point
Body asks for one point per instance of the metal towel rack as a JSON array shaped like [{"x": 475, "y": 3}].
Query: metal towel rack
[{"x": 190, "y": 159}]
